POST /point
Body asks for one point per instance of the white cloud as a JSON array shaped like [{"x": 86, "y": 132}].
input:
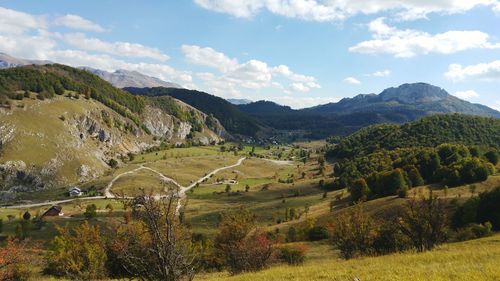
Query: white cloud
[
  {"x": 330, "y": 10},
  {"x": 208, "y": 57},
  {"x": 381, "y": 73},
  {"x": 22, "y": 45},
  {"x": 286, "y": 72},
  {"x": 125, "y": 49},
  {"x": 466, "y": 95},
  {"x": 496, "y": 106},
  {"x": 235, "y": 76},
  {"x": 79, "y": 23},
  {"x": 483, "y": 71},
  {"x": 14, "y": 22},
  {"x": 352, "y": 81},
  {"x": 299, "y": 87},
  {"x": 408, "y": 43},
  {"x": 108, "y": 63},
  {"x": 28, "y": 36}
]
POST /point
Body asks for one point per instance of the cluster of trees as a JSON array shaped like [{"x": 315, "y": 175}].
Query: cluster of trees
[
  {"x": 429, "y": 131},
  {"x": 481, "y": 209},
  {"x": 421, "y": 225},
  {"x": 150, "y": 244},
  {"x": 153, "y": 243},
  {"x": 16, "y": 259},
  {"x": 54, "y": 79},
  {"x": 385, "y": 173}
]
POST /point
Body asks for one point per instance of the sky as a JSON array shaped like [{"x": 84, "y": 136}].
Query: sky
[{"x": 295, "y": 52}]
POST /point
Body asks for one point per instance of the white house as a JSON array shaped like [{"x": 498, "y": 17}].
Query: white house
[{"x": 75, "y": 191}]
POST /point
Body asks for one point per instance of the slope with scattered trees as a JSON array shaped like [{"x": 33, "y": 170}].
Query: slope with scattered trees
[{"x": 228, "y": 114}]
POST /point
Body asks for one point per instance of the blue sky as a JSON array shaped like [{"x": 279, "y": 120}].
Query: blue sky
[{"x": 295, "y": 52}]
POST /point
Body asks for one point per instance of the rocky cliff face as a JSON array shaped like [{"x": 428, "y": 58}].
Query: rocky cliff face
[{"x": 63, "y": 141}]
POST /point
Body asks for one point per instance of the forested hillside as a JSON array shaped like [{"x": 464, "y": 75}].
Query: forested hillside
[
  {"x": 53, "y": 79},
  {"x": 228, "y": 114},
  {"x": 384, "y": 160},
  {"x": 428, "y": 131}
]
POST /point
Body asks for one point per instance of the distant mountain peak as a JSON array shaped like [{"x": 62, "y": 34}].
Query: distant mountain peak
[
  {"x": 122, "y": 78},
  {"x": 7, "y": 61},
  {"x": 239, "y": 101},
  {"x": 414, "y": 93},
  {"x": 422, "y": 98}
]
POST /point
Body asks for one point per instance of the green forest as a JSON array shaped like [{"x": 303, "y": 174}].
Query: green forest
[
  {"x": 383, "y": 160},
  {"x": 50, "y": 80}
]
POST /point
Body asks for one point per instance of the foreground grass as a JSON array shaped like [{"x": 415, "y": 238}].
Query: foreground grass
[{"x": 465, "y": 261}]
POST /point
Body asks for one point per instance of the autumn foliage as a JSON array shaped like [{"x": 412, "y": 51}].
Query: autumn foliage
[{"x": 16, "y": 258}]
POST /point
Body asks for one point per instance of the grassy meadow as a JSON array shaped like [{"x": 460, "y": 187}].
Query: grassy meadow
[{"x": 464, "y": 261}]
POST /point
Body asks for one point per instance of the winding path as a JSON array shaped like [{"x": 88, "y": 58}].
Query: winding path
[{"x": 110, "y": 195}]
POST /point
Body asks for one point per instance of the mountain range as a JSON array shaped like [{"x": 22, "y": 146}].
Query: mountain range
[
  {"x": 401, "y": 104},
  {"x": 120, "y": 78},
  {"x": 124, "y": 78},
  {"x": 243, "y": 117}
]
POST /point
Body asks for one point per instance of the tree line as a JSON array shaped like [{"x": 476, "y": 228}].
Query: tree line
[
  {"x": 429, "y": 131},
  {"x": 393, "y": 172}
]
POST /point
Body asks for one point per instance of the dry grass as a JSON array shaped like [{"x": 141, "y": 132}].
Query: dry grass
[{"x": 466, "y": 261}]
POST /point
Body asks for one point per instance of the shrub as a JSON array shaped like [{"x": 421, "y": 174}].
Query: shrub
[
  {"x": 241, "y": 250},
  {"x": 424, "y": 222},
  {"x": 293, "y": 255},
  {"x": 16, "y": 259},
  {"x": 77, "y": 254},
  {"x": 390, "y": 239},
  {"x": 359, "y": 190},
  {"x": 154, "y": 245},
  {"x": 291, "y": 235},
  {"x": 113, "y": 163},
  {"x": 90, "y": 211},
  {"x": 481, "y": 209},
  {"x": 354, "y": 232},
  {"x": 318, "y": 233},
  {"x": 473, "y": 231},
  {"x": 488, "y": 209},
  {"x": 492, "y": 156}
]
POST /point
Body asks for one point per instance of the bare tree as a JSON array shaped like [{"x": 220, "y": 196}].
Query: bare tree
[
  {"x": 424, "y": 222},
  {"x": 156, "y": 245}
]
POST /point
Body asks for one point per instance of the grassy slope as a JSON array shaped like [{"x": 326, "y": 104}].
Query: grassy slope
[
  {"x": 465, "y": 261},
  {"x": 41, "y": 136}
]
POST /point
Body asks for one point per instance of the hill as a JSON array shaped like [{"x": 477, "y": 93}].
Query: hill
[
  {"x": 443, "y": 150},
  {"x": 234, "y": 120},
  {"x": 60, "y": 125},
  {"x": 426, "y": 132}
]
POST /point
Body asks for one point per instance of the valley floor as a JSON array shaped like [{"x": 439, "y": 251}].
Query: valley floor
[{"x": 464, "y": 261}]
